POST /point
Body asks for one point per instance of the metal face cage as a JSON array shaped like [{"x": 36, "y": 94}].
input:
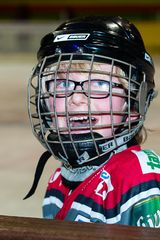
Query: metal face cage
[{"x": 76, "y": 132}]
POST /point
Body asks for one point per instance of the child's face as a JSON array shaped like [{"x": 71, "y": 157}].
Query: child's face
[{"x": 81, "y": 113}]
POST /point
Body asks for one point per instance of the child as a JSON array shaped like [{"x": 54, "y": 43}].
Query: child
[{"x": 89, "y": 95}]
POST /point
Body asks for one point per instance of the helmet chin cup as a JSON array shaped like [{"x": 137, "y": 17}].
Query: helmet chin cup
[{"x": 75, "y": 149}]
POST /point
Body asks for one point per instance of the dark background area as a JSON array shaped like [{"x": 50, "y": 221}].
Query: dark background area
[{"x": 28, "y": 10}]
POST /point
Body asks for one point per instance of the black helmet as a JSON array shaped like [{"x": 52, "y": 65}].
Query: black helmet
[
  {"x": 113, "y": 37},
  {"x": 110, "y": 40}
]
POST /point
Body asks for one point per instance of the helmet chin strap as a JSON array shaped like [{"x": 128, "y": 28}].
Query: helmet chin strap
[{"x": 39, "y": 169}]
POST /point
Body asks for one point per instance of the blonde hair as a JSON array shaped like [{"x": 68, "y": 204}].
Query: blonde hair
[{"x": 141, "y": 136}]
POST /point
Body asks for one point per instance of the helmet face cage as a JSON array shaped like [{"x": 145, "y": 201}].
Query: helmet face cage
[{"x": 56, "y": 125}]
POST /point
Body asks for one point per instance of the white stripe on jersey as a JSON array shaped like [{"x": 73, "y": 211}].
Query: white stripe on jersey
[
  {"x": 132, "y": 201},
  {"x": 82, "y": 207},
  {"x": 53, "y": 200},
  {"x": 123, "y": 208}
]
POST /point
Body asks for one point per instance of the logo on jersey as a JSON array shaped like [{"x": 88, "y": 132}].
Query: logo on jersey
[
  {"x": 153, "y": 160},
  {"x": 54, "y": 176},
  {"x": 72, "y": 37},
  {"x": 105, "y": 186},
  {"x": 149, "y": 161},
  {"x": 147, "y": 213}
]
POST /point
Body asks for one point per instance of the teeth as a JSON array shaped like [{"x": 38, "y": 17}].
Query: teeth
[
  {"x": 83, "y": 118},
  {"x": 78, "y": 118},
  {"x": 93, "y": 118}
]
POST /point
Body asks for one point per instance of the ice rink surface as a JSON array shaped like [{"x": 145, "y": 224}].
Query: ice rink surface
[{"x": 19, "y": 149}]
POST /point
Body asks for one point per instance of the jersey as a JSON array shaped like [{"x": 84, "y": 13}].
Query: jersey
[{"x": 125, "y": 190}]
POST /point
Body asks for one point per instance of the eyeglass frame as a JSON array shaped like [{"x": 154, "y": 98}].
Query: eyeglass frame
[{"x": 81, "y": 83}]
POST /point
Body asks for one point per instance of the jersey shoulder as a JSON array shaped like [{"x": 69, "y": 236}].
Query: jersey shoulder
[
  {"x": 125, "y": 162},
  {"x": 137, "y": 160},
  {"x": 134, "y": 167}
]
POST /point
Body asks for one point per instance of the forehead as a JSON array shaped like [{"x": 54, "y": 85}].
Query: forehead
[{"x": 82, "y": 65}]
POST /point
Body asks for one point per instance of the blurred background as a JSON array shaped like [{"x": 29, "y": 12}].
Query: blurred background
[{"x": 22, "y": 25}]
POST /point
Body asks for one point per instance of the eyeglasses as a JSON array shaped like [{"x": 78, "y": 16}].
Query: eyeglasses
[{"x": 94, "y": 88}]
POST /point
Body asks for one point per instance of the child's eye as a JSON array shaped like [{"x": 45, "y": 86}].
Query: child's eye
[
  {"x": 64, "y": 84},
  {"x": 100, "y": 85},
  {"x": 61, "y": 84}
]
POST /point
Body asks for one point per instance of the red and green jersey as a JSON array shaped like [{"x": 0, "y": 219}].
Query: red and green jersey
[{"x": 125, "y": 190}]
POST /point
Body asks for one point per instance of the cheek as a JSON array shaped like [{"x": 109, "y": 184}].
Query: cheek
[
  {"x": 59, "y": 109},
  {"x": 104, "y": 105},
  {"x": 116, "y": 103},
  {"x": 99, "y": 104},
  {"x": 59, "y": 104}
]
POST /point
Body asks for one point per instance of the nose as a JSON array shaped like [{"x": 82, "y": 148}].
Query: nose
[{"x": 78, "y": 98}]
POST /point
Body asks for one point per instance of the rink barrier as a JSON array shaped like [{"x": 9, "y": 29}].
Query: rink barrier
[{"x": 17, "y": 228}]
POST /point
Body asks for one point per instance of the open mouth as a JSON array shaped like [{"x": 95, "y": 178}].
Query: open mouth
[{"x": 82, "y": 121}]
